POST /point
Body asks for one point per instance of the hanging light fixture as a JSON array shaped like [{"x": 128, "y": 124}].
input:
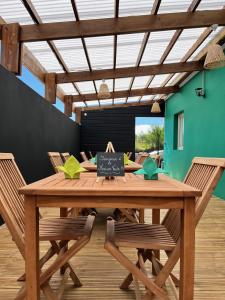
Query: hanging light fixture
[
  {"x": 103, "y": 91},
  {"x": 215, "y": 57},
  {"x": 155, "y": 108}
]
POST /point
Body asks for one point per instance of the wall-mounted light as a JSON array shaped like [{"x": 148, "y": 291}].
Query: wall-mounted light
[
  {"x": 200, "y": 91},
  {"x": 103, "y": 91}
]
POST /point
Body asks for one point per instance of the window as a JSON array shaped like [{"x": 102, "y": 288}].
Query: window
[{"x": 179, "y": 131}]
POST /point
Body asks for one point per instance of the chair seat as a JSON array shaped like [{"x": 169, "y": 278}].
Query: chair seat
[
  {"x": 52, "y": 229},
  {"x": 144, "y": 236}
]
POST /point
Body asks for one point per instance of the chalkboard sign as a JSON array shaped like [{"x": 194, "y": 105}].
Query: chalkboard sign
[{"x": 110, "y": 164}]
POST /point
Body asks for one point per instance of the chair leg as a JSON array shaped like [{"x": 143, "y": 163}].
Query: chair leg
[
  {"x": 47, "y": 291},
  {"x": 123, "y": 260}
]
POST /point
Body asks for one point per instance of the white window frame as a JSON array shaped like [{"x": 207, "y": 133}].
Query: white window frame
[{"x": 180, "y": 131}]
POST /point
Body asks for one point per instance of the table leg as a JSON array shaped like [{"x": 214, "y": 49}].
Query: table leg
[
  {"x": 32, "y": 248},
  {"x": 63, "y": 214},
  {"x": 187, "y": 250},
  {"x": 156, "y": 220}
]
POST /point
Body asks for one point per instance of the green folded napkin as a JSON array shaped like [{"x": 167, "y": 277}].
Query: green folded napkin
[
  {"x": 93, "y": 160},
  {"x": 150, "y": 170},
  {"x": 126, "y": 159},
  {"x": 72, "y": 168}
]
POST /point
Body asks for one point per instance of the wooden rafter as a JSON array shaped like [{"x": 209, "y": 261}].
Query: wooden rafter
[
  {"x": 116, "y": 15},
  {"x": 121, "y": 25},
  {"x": 142, "y": 103},
  {"x": 193, "y": 6},
  {"x": 129, "y": 72},
  {"x": 76, "y": 14},
  {"x": 127, "y": 93},
  {"x": 36, "y": 18},
  {"x": 144, "y": 43}
]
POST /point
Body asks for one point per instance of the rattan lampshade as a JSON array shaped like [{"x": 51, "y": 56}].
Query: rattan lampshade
[
  {"x": 155, "y": 108},
  {"x": 103, "y": 91},
  {"x": 215, "y": 57}
]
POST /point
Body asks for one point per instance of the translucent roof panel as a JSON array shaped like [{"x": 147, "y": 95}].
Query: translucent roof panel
[
  {"x": 183, "y": 44},
  {"x": 86, "y": 87},
  {"x": 211, "y": 4},
  {"x": 120, "y": 101},
  {"x": 73, "y": 54},
  {"x": 156, "y": 46},
  {"x": 130, "y": 7},
  {"x": 140, "y": 82},
  {"x": 106, "y": 102},
  {"x": 146, "y": 98},
  {"x": 122, "y": 83},
  {"x": 44, "y": 54},
  {"x": 13, "y": 11},
  {"x": 132, "y": 99},
  {"x": 100, "y": 50},
  {"x": 168, "y": 6},
  {"x": 79, "y": 104},
  {"x": 95, "y": 9},
  {"x": 68, "y": 88},
  {"x": 158, "y": 80},
  {"x": 54, "y": 11},
  {"x": 128, "y": 47},
  {"x": 92, "y": 103}
]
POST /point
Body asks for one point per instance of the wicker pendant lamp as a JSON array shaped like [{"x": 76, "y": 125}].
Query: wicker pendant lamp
[
  {"x": 215, "y": 57},
  {"x": 103, "y": 91},
  {"x": 155, "y": 108}
]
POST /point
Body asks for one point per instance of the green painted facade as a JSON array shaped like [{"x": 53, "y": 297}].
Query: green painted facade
[{"x": 204, "y": 124}]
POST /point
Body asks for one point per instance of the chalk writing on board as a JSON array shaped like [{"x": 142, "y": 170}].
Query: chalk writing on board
[{"x": 110, "y": 164}]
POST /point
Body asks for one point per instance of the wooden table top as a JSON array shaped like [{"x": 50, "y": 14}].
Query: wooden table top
[
  {"x": 128, "y": 168},
  {"x": 134, "y": 186}
]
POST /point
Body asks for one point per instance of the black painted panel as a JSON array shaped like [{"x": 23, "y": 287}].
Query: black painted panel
[
  {"x": 116, "y": 125},
  {"x": 30, "y": 126}
]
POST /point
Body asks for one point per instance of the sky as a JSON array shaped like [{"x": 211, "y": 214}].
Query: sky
[
  {"x": 32, "y": 81},
  {"x": 144, "y": 124}
]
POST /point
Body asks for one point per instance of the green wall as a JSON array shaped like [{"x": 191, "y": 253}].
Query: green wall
[{"x": 204, "y": 124}]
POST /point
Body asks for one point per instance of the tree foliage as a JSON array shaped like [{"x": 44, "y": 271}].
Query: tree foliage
[{"x": 151, "y": 140}]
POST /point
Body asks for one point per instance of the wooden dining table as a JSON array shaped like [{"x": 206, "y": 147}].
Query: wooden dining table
[
  {"x": 134, "y": 192},
  {"x": 91, "y": 167}
]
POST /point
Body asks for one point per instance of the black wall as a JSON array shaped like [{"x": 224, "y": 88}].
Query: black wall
[
  {"x": 116, "y": 125},
  {"x": 30, "y": 127}
]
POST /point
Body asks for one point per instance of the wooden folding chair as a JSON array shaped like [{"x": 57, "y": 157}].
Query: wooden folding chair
[
  {"x": 204, "y": 175},
  {"x": 83, "y": 156},
  {"x": 58, "y": 231},
  {"x": 141, "y": 158},
  {"x": 56, "y": 160},
  {"x": 65, "y": 156}
]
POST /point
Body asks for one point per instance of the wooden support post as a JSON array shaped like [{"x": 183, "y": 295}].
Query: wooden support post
[
  {"x": 68, "y": 103},
  {"x": 11, "y": 48},
  {"x": 78, "y": 116},
  {"x": 50, "y": 87}
]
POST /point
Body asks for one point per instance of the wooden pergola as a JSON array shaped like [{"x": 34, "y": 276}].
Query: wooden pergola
[{"x": 144, "y": 57}]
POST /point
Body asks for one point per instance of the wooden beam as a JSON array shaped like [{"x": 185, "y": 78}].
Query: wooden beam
[
  {"x": 50, "y": 87},
  {"x": 78, "y": 116},
  {"x": 129, "y": 72},
  {"x": 68, "y": 105},
  {"x": 11, "y": 48},
  {"x": 133, "y": 93},
  {"x": 142, "y": 103},
  {"x": 121, "y": 25},
  {"x": 34, "y": 66}
]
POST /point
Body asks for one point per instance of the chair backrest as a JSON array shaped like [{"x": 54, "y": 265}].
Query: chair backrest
[
  {"x": 204, "y": 175},
  {"x": 84, "y": 156},
  {"x": 90, "y": 153},
  {"x": 56, "y": 160},
  {"x": 129, "y": 154},
  {"x": 65, "y": 156},
  {"x": 141, "y": 158},
  {"x": 11, "y": 202}
]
